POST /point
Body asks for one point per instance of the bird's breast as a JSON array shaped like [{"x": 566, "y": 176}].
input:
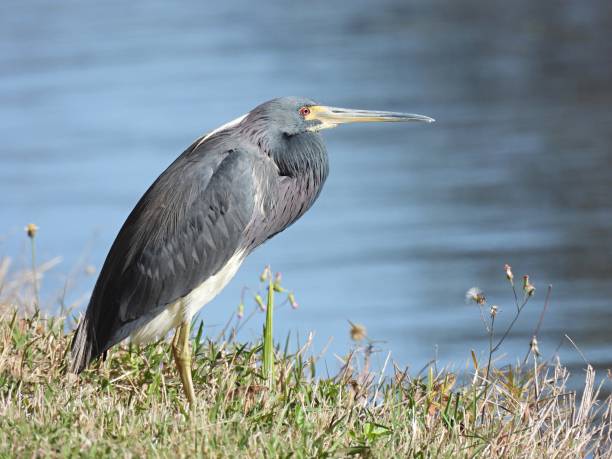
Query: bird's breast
[{"x": 185, "y": 308}]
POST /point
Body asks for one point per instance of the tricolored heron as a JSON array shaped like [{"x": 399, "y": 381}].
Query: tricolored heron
[{"x": 229, "y": 192}]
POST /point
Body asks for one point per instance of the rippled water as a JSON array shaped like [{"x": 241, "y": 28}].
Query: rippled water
[{"x": 96, "y": 100}]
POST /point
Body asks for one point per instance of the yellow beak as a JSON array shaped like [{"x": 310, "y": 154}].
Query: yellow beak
[{"x": 330, "y": 117}]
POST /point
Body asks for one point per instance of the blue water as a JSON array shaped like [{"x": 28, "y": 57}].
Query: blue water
[{"x": 96, "y": 100}]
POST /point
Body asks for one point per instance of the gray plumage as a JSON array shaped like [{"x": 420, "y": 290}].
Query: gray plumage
[{"x": 227, "y": 193}]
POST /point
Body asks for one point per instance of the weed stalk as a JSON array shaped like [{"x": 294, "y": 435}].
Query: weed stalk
[{"x": 268, "y": 343}]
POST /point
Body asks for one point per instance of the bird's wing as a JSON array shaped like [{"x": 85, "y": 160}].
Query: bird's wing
[{"x": 183, "y": 230}]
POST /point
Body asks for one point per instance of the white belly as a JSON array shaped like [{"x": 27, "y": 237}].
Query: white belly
[{"x": 185, "y": 308}]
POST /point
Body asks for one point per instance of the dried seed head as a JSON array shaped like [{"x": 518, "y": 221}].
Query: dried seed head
[
  {"x": 533, "y": 345},
  {"x": 493, "y": 310},
  {"x": 509, "y": 274},
  {"x": 240, "y": 313},
  {"x": 358, "y": 332},
  {"x": 528, "y": 288},
  {"x": 31, "y": 229},
  {"x": 475, "y": 295}
]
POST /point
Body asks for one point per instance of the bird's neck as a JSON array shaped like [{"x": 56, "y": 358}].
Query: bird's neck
[
  {"x": 303, "y": 167},
  {"x": 302, "y": 156}
]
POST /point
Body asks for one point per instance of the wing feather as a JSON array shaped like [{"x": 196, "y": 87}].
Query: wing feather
[{"x": 182, "y": 231}]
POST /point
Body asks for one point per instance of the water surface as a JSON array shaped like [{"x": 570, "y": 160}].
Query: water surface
[{"x": 96, "y": 100}]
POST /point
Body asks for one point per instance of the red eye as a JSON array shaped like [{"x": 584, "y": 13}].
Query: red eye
[{"x": 304, "y": 111}]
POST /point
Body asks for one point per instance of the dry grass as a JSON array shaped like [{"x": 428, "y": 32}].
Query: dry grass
[{"x": 132, "y": 405}]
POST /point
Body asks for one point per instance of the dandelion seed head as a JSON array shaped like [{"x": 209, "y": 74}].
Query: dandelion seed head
[{"x": 475, "y": 295}]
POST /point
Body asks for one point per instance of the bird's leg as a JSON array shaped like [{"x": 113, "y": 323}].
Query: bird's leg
[{"x": 182, "y": 356}]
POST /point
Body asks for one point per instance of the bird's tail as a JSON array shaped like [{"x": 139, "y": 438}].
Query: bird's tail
[{"x": 82, "y": 350}]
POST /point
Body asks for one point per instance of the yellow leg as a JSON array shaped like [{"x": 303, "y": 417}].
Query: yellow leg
[{"x": 182, "y": 356}]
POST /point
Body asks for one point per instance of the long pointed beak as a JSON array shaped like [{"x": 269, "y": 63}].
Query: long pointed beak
[{"x": 332, "y": 116}]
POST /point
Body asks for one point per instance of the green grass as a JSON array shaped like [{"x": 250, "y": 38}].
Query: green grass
[{"x": 133, "y": 405}]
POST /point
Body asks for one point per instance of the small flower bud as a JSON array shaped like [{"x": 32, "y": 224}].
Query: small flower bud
[
  {"x": 31, "y": 229},
  {"x": 265, "y": 274},
  {"x": 476, "y": 295},
  {"x": 276, "y": 285},
  {"x": 260, "y": 303},
  {"x": 292, "y": 301},
  {"x": 509, "y": 274}
]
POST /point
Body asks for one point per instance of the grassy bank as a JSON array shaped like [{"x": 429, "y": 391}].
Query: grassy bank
[{"x": 133, "y": 405}]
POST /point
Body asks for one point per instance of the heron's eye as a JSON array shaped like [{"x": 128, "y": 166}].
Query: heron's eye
[{"x": 304, "y": 111}]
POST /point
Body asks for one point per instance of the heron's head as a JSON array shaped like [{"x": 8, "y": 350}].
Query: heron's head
[{"x": 295, "y": 115}]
